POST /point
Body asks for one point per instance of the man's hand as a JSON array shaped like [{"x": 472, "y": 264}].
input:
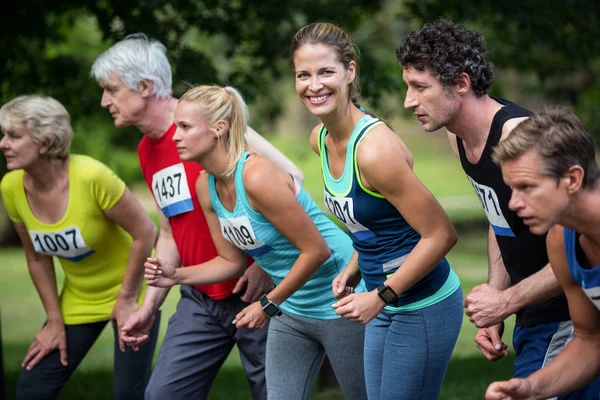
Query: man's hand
[
  {"x": 510, "y": 390},
  {"x": 359, "y": 307},
  {"x": 489, "y": 341},
  {"x": 251, "y": 317},
  {"x": 486, "y": 306},
  {"x": 123, "y": 309},
  {"x": 256, "y": 282},
  {"x": 51, "y": 337},
  {"x": 136, "y": 329}
]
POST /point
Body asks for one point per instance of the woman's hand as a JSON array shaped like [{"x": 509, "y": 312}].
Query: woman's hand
[
  {"x": 51, "y": 337},
  {"x": 159, "y": 273},
  {"x": 359, "y": 307},
  {"x": 252, "y": 317}
]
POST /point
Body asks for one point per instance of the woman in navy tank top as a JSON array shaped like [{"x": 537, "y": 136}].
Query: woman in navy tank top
[{"x": 400, "y": 233}]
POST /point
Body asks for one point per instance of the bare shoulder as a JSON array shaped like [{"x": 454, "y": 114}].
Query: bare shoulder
[
  {"x": 202, "y": 188},
  {"x": 314, "y": 138},
  {"x": 510, "y": 125},
  {"x": 382, "y": 146},
  {"x": 259, "y": 172}
]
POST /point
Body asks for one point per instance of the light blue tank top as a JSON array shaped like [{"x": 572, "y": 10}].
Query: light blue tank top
[{"x": 250, "y": 231}]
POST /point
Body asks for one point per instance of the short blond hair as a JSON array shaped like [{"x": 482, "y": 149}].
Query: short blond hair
[
  {"x": 559, "y": 138},
  {"x": 46, "y": 120},
  {"x": 224, "y": 103}
]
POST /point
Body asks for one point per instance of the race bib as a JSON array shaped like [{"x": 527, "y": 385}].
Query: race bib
[
  {"x": 489, "y": 200},
  {"x": 171, "y": 190},
  {"x": 67, "y": 243},
  {"x": 240, "y": 233},
  {"x": 343, "y": 209}
]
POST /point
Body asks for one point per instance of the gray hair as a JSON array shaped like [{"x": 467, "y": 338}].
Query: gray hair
[
  {"x": 134, "y": 59},
  {"x": 46, "y": 120}
]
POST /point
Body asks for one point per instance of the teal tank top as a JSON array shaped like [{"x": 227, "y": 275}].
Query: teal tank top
[{"x": 251, "y": 232}]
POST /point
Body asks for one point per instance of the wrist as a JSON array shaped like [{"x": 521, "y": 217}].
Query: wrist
[
  {"x": 127, "y": 296},
  {"x": 269, "y": 307},
  {"x": 387, "y": 295},
  {"x": 54, "y": 318},
  {"x": 511, "y": 300}
]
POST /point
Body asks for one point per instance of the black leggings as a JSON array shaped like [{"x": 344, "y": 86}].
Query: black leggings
[{"x": 130, "y": 375}]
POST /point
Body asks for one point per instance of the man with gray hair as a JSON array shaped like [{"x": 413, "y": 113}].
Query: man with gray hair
[
  {"x": 136, "y": 77},
  {"x": 549, "y": 161}
]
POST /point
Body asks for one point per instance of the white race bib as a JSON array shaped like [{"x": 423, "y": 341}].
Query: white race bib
[
  {"x": 489, "y": 200},
  {"x": 67, "y": 243},
  {"x": 594, "y": 295},
  {"x": 240, "y": 233},
  {"x": 343, "y": 209},
  {"x": 171, "y": 191}
]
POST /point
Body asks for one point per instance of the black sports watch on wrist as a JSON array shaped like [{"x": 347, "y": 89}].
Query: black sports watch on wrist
[
  {"x": 387, "y": 294},
  {"x": 269, "y": 308}
]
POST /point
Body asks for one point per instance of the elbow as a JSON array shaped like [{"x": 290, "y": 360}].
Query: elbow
[{"x": 323, "y": 255}]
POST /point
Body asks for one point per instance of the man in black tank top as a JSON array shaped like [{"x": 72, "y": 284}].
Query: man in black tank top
[{"x": 449, "y": 76}]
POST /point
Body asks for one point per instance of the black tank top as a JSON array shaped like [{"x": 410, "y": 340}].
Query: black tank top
[{"x": 523, "y": 253}]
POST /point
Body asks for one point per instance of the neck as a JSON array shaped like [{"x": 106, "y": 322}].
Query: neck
[
  {"x": 159, "y": 117},
  {"x": 341, "y": 122},
  {"x": 45, "y": 174},
  {"x": 215, "y": 163},
  {"x": 474, "y": 120},
  {"x": 583, "y": 213}
]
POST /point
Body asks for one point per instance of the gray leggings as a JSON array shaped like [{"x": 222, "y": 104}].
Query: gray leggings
[{"x": 296, "y": 347}]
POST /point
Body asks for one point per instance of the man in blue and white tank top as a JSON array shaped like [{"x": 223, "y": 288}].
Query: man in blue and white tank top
[
  {"x": 449, "y": 76},
  {"x": 549, "y": 161}
]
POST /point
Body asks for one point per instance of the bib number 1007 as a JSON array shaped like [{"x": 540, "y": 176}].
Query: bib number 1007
[{"x": 66, "y": 243}]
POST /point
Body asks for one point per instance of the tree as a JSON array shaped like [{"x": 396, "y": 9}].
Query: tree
[{"x": 551, "y": 45}]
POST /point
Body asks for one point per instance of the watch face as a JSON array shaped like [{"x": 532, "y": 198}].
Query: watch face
[
  {"x": 271, "y": 309},
  {"x": 388, "y": 296}
]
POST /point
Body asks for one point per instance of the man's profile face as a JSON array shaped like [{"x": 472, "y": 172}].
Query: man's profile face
[{"x": 125, "y": 105}]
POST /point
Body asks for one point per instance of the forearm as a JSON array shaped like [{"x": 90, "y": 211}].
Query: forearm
[
  {"x": 302, "y": 270},
  {"x": 574, "y": 367},
  {"x": 214, "y": 271},
  {"x": 538, "y": 287},
  {"x": 44, "y": 279},
  {"x": 497, "y": 275},
  {"x": 134, "y": 273},
  {"x": 421, "y": 260}
]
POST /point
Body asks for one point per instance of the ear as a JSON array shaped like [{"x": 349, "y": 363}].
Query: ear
[
  {"x": 351, "y": 71},
  {"x": 44, "y": 148},
  {"x": 573, "y": 178},
  {"x": 220, "y": 127},
  {"x": 462, "y": 83},
  {"x": 145, "y": 88}
]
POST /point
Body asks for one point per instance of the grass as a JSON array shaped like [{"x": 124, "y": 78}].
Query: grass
[
  {"x": 469, "y": 372},
  {"x": 22, "y": 315}
]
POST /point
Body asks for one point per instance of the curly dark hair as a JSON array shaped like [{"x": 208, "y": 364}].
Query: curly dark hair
[{"x": 447, "y": 49}]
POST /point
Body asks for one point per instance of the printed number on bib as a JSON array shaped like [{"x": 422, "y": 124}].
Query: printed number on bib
[
  {"x": 489, "y": 200},
  {"x": 67, "y": 243},
  {"x": 171, "y": 191},
  {"x": 239, "y": 232},
  {"x": 343, "y": 209}
]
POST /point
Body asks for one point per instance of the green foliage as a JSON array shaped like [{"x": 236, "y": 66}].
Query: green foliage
[{"x": 550, "y": 45}]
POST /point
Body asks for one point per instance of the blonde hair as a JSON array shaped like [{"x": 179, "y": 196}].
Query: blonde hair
[
  {"x": 559, "y": 138},
  {"x": 224, "y": 103},
  {"x": 46, "y": 120}
]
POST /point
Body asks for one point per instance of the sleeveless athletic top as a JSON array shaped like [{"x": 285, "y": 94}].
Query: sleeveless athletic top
[
  {"x": 380, "y": 235},
  {"x": 587, "y": 278},
  {"x": 92, "y": 249},
  {"x": 523, "y": 253},
  {"x": 250, "y": 231}
]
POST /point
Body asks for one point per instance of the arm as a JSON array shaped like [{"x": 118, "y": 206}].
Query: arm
[
  {"x": 344, "y": 284},
  {"x": 266, "y": 149},
  {"x": 402, "y": 188},
  {"x": 314, "y": 138},
  {"x": 490, "y": 304},
  {"x": 52, "y": 336},
  {"x": 135, "y": 331},
  {"x": 579, "y": 362},
  {"x": 129, "y": 214},
  {"x": 229, "y": 263}
]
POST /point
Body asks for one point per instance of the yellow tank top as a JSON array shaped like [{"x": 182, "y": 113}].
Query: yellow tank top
[{"x": 92, "y": 249}]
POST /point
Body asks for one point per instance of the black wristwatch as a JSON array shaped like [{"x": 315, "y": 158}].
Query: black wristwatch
[
  {"x": 387, "y": 294},
  {"x": 268, "y": 307}
]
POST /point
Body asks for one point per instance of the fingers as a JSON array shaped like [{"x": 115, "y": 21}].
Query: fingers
[
  {"x": 342, "y": 302},
  {"x": 487, "y": 347},
  {"x": 240, "y": 285},
  {"x": 31, "y": 353},
  {"x": 35, "y": 358},
  {"x": 62, "y": 348}
]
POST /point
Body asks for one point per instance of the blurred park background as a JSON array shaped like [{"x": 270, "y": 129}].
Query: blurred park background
[{"x": 545, "y": 52}]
